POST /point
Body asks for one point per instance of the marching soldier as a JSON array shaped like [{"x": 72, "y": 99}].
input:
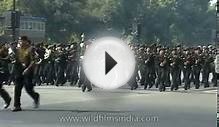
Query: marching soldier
[
  {"x": 149, "y": 68},
  {"x": 163, "y": 72},
  {"x": 133, "y": 81},
  {"x": 213, "y": 53},
  {"x": 188, "y": 62},
  {"x": 179, "y": 51},
  {"x": 61, "y": 62},
  {"x": 84, "y": 82},
  {"x": 197, "y": 67},
  {"x": 157, "y": 66},
  {"x": 73, "y": 64},
  {"x": 4, "y": 74},
  {"x": 175, "y": 70},
  {"x": 168, "y": 54},
  {"x": 141, "y": 64},
  {"x": 49, "y": 69},
  {"x": 208, "y": 59},
  {"x": 39, "y": 67}
]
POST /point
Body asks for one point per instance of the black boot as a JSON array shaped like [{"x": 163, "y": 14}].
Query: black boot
[{"x": 7, "y": 103}]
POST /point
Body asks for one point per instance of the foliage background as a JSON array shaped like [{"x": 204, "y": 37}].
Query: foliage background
[{"x": 165, "y": 21}]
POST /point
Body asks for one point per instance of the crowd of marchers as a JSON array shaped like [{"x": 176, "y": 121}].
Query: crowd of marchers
[{"x": 27, "y": 64}]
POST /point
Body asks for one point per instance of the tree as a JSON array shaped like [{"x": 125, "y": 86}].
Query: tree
[{"x": 171, "y": 21}]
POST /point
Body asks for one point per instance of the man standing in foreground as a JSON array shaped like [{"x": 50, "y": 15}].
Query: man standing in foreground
[{"x": 24, "y": 68}]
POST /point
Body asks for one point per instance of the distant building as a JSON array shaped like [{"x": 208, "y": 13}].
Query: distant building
[{"x": 33, "y": 27}]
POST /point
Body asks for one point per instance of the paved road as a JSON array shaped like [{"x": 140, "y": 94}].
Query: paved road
[{"x": 66, "y": 106}]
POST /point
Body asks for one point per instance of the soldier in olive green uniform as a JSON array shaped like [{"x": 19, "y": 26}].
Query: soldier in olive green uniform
[
  {"x": 163, "y": 72},
  {"x": 175, "y": 70},
  {"x": 197, "y": 67}
]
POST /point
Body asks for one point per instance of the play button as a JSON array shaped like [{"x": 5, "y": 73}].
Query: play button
[{"x": 109, "y": 63}]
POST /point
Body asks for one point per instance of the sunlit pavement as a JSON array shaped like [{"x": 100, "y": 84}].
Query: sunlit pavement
[{"x": 68, "y": 106}]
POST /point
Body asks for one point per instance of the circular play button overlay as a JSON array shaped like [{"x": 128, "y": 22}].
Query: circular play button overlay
[{"x": 109, "y": 63}]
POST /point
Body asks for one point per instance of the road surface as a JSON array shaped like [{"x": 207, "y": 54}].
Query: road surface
[{"x": 67, "y": 106}]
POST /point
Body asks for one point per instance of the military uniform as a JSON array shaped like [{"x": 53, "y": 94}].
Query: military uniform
[
  {"x": 175, "y": 71},
  {"x": 188, "y": 63},
  {"x": 84, "y": 83},
  {"x": 208, "y": 59},
  {"x": 4, "y": 74},
  {"x": 163, "y": 72},
  {"x": 49, "y": 69},
  {"x": 141, "y": 66},
  {"x": 73, "y": 67},
  {"x": 39, "y": 76},
  {"x": 149, "y": 70},
  {"x": 60, "y": 63},
  {"x": 133, "y": 81},
  {"x": 197, "y": 69}
]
